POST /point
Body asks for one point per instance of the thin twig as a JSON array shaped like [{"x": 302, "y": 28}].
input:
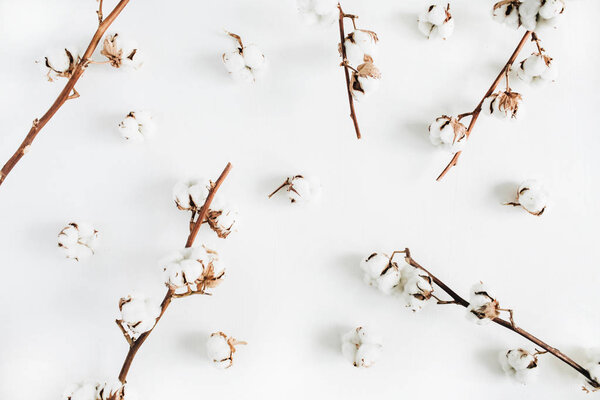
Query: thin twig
[
  {"x": 65, "y": 93},
  {"x": 170, "y": 295},
  {"x": 99, "y": 12},
  {"x": 502, "y": 322},
  {"x": 346, "y": 72},
  {"x": 475, "y": 113}
]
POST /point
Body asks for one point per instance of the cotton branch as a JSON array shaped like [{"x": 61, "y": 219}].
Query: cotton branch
[
  {"x": 475, "y": 113},
  {"x": 347, "y": 68},
  {"x": 134, "y": 345},
  {"x": 68, "y": 91},
  {"x": 458, "y": 300}
]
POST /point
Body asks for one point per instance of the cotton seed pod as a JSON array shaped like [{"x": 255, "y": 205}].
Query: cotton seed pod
[
  {"x": 300, "y": 189},
  {"x": 222, "y": 220},
  {"x": 121, "y": 52},
  {"x": 502, "y": 104},
  {"x": 190, "y": 195},
  {"x": 482, "y": 307},
  {"x": 365, "y": 80},
  {"x": 244, "y": 63},
  {"x": 537, "y": 68},
  {"x": 448, "y": 133},
  {"x": 193, "y": 270},
  {"x": 113, "y": 390},
  {"x": 436, "y": 22},
  {"x": 532, "y": 197},
  {"x": 318, "y": 12},
  {"x": 417, "y": 287},
  {"x": 360, "y": 46},
  {"x": 381, "y": 272},
  {"x": 220, "y": 349},
  {"x": 78, "y": 240},
  {"x": 507, "y": 12},
  {"x": 361, "y": 348},
  {"x": 519, "y": 364},
  {"x": 137, "y": 126},
  {"x": 138, "y": 314},
  {"x": 60, "y": 63}
]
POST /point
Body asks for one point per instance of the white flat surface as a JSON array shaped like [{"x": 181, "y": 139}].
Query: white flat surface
[{"x": 293, "y": 284}]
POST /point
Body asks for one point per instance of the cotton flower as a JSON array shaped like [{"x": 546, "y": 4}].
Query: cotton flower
[
  {"x": 191, "y": 195},
  {"x": 318, "y": 12},
  {"x": 121, "y": 52},
  {"x": 365, "y": 80},
  {"x": 436, "y": 22},
  {"x": 244, "y": 63},
  {"x": 361, "y": 348},
  {"x": 482, "y": 308},
  {"x": 532, "y": 196},
  {"x": 300, "y": 189},
  {"x": 533, "y": 15},
  {"x": 78, "y": 240},
  {"x": 380, "y": 272},
  {"x": 193, "y": 270},
  {"x": 416, "y": 286},
  {"x": 519, "y": 364},
  {"x": 137, "y": 126},
  {"x": 360, "y": 46},
  {"x": 138, "y": 314},
  {"x": 593, "y": 367},
  {"x": 60, "y": 63},
  {"x": 537, "y": 68},
  {"x": 503, "y": 104},
  {"x": 220, "y": 349},
  {"x": 448, "y": 133}
]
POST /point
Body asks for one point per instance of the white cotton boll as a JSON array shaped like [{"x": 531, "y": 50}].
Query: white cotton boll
[
  {"x": 380, "y": 272},
  {"x": 528, "y": 12},
  {"x": 532, "y": 197},
  {"x": 121, "y": 52},
  {"x": 443, "y": 31},
  {"x": 318, "y": 12},
  {"x": 300, "y": 190},
  {"x": 368, "y": 85},
  {"x": 519, "y": 364},
  {"x": 361, "y": 348},
  {"x": 475, "y": 303},
  {"x": 191, "y": 195},
  {"x": 129, "y": 129},
  {"x": 436, "y": 22},
  {"x": 222, "y": 218},
  {"x": 448, "y": 133},
  {"x": 354, "y": 53},
  {"x": 138, "y": 314},
  {"x": 551, "y": 72},
  {"x": 425, "y": 27},
  {"x": 253, "y": 57},
  {"x": 436, "y": 15},
  {"x": 552, "y": 8},
  {"x": 243, "y": 75},
  {"x": 511, "y": 19},
  {"x": 137, "y": 126},
  {"x": 233, "y": 61},
  {"x": 416, "y": 287},
  {"x": 218, "y": 350},
  {"x": 78, "y": 240},
  {"x": 366, "y": 40},
  {"x": 59, "y": 63},
  {"x": 192, "y": 269},
  {"x": 534, "y": 65},
  {"x": 389, "y": 280}
]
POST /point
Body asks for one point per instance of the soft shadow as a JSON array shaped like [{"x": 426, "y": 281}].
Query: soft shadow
[
  {"x": 194, "y": 343},
  {"x": 488, "y": 358},
  {"x": 504, "y": 192},
  {"x": 329, "y": 340}
]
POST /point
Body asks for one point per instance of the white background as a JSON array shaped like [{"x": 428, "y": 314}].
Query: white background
[{"x": 293, "y": 284}]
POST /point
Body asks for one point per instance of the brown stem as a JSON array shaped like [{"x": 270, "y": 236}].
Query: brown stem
[
  {"x": 346, "y": 72},
  {"x": 502, "y": 322},
  {"x": 133, "y": 349},
  {"x": 99, "y": 12},
  {"x": 475, "y": 113},
  {"x": 65, "y": 93},
  {"x": 284, "y": 184}
]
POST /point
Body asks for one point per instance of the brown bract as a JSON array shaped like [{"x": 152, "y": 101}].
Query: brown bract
[
  {"x": 212, "y": 220},
  {"x": 365, "y": 70},
  {"x": 488, "y": 310},
  {"x": 460, "y": 131},
  {"x": 508, "y": 101}
]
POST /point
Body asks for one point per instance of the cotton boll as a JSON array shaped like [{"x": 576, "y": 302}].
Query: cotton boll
[
  {"x": 354, "y": 53},
  {"x": 220, "y": 349},
  {"x": 436, "y": 22},
  {"x": 253, "y": 57},
  {"x": 121, "y": 52},
  {"x": 551, "y": 8},
  {"x": 60, "y": 63},
  {"x": 300, "y": 189},
  {"x": 502, "y": 104},
  {"x": 482, "y": 306},
  {"x": 318, "y": 12},
  {"x": 138, "y": 314},
  {"x": 528, "y": 12},
  {"x": 519, "y": 364},
  {"x": 380, "y": 272},
  {"x": 416, "y": 287},
  {"x": 78, "y": 240},
  {"x": 448, "y": 133},
  {"x": 137, "y": 126},
  {"x": 222, "y": 218},
  {"x": 361, "y": 348},
  {"x": 534, "y": 65},
  {"x": 233, "y": 61},
  {"x": 532, "y": 197},
  {"x": 364, "y": 81},
  {"x": 193, "y": 269},
  {"x": 191, "y": 195},
  {"x": 507, "y": 13},
  {"x": 115, "y": 390}
]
